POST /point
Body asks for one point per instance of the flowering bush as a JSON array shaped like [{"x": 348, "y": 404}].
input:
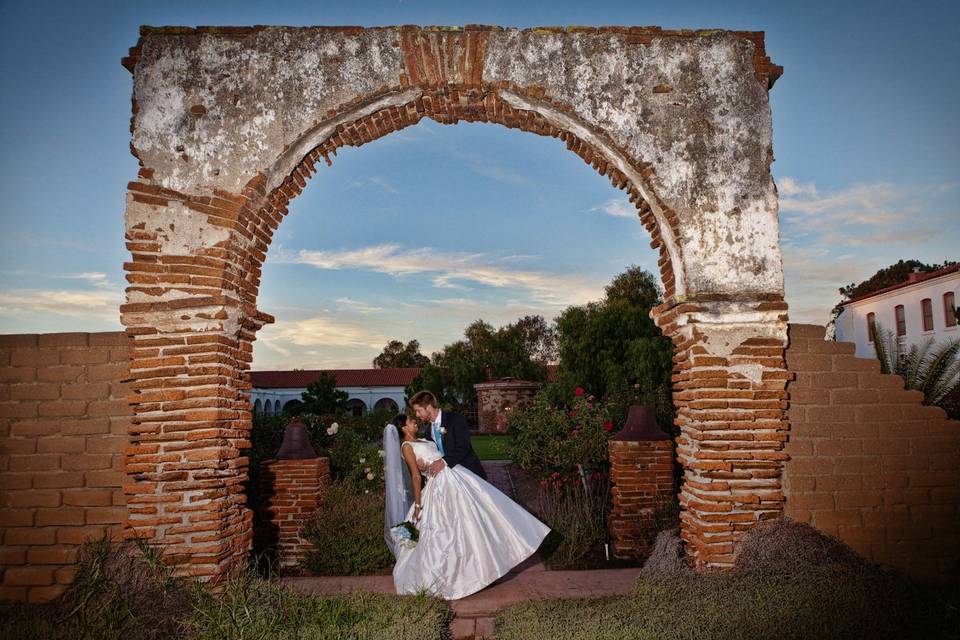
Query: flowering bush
[{"x": 558, "y": 442}]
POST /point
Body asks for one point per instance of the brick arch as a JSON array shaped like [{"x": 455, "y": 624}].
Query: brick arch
[
  {"x": 228, "y": 124},
  {"x": 268, "y": 196}
]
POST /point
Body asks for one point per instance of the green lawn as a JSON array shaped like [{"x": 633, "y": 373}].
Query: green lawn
[{"x": 491, "y": 447}]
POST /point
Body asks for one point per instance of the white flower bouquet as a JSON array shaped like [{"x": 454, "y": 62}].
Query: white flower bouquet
[{"x": 405, "y": 535}]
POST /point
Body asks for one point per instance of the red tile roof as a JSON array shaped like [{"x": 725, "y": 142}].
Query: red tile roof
[
  {"x": 914, "y": 278},
  {"x": 345, "y": 378}
]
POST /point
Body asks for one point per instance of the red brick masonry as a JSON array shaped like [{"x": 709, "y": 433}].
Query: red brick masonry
[
  {"x": 292, "y": 491},
  {"x": 642, "y": 478}
]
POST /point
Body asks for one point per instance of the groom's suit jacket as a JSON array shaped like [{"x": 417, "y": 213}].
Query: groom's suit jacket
[{"x": 456, "y": 443}]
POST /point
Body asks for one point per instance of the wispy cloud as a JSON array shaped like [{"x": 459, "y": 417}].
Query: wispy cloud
[
  {"x": 617, "y": 207},
  {"x": 100, "y": 304},
  {"x": 374, "y": 182},
  {"x": 833, "y": 238},
  {"x": 92, "y": 278},
  {"x": 453, "y": 269},
  {"x": 357, "y": 306}
]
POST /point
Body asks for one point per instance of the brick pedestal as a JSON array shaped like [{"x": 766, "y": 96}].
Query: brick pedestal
[
  {"x": 642, "y": 477},
  {"x": 292, "y": 491}
]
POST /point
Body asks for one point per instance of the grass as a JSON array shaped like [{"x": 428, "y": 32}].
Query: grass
[
  {"x": 789, "y": 582},
  {"x": 124, "y": 591},
  {"x": 815, "y": 606},
  {"x": 491, "y": 447}
]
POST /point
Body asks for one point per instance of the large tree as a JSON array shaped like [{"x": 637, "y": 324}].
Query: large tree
[
  {"x": 888, "y": 276},
  {"x": 519, "y": 350},
  {"x": 397, "y": 354},
  {"x": 613, "y": 346},
  {"x": 323, "y": 398}
]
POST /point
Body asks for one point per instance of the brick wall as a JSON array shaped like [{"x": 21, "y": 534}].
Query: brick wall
[
  {"x": 868, "y": 462},
  {"x": 63, "y": 429}
]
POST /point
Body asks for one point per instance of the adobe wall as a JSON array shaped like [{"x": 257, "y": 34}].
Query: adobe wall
[
  {"x": 64, "y": 420},
  {"x": 869, "y": 463}
]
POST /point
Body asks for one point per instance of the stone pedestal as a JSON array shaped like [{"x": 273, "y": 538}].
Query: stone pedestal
[
  {"x": 292, "y": 491},
  {"x": 641, "y": 473}
]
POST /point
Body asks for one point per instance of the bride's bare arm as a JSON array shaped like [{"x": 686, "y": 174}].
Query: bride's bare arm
[{"x": 411, "y": 459}]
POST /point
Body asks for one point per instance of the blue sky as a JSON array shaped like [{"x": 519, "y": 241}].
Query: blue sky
[{"x": 419, "y": 233}]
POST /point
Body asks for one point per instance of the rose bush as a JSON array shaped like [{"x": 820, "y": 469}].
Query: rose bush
[{"x": 548, "y": 439}]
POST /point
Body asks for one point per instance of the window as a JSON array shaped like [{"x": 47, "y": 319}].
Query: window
[
  {"x": 949, "y": 309},
  {"x": 871, "y": 326},
  {"x": 926, "y": 310},
  {"x": 901, "y": 320}
]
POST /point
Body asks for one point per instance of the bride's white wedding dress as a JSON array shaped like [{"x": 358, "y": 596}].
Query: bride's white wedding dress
[{"x": 471, "y": 533}]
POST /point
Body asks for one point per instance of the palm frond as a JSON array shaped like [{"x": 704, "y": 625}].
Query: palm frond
[
  {"x": 941, "y": 361},
  {"x": 887, "y": 348},
  {"x": 915, "y": 364}
]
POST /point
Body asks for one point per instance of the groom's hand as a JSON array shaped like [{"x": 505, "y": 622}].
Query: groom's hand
[{"x": 437, "y": 466}]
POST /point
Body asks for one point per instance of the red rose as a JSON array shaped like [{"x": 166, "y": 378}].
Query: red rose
[
  {"x": 578, "y": 391},
  {"x": 608, "y": 426},
  {"x": 570, "y": 414}
]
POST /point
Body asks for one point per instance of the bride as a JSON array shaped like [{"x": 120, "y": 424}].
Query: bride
[{"x": 470, "y": 533}]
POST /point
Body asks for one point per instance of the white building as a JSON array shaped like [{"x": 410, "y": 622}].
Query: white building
[
  {"x": 922, "y": 307},
  {"x": 368, "y": 389}
]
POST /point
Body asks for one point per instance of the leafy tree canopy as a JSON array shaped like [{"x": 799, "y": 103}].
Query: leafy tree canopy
[
  {"x": 519, "y": 350},
  {"x": 323, "y": 398},
  {"x": 889, "y": 276},
  {"x": 608, "y": 346},
  {"x": 397, "y": 354}
]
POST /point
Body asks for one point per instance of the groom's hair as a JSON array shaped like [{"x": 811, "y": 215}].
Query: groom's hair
[{"x": 423, "y": 399}]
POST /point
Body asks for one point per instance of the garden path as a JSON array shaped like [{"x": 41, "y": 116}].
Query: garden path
[{"x": 474, "y": 615}]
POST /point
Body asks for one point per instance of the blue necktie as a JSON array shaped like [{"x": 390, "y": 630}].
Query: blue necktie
[{"x": 437, "y": 437}]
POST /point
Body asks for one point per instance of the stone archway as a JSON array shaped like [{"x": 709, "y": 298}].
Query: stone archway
[{"x": 228, "y": 125}]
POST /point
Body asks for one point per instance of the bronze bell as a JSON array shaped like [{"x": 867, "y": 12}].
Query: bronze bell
[
  {"x": 296, "y": 442},
  {"x": 641, "y": 425}
]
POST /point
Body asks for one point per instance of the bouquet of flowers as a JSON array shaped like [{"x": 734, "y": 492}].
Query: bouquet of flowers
[{"x": 405, "y": 534}]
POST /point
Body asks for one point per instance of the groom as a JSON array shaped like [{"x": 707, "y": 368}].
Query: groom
[{"x": 450, "y": 433}]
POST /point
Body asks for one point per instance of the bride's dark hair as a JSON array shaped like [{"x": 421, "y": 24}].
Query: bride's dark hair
[{"x": 399, "y": 422}]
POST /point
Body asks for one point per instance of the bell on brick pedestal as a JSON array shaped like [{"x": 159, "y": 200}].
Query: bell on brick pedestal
[
  {"x": 296, "y": 442},
  {"x": 641, "y": 425}
]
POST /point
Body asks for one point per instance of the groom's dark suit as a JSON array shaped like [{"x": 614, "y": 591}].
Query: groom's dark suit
[{"x": 456, "y": 443}]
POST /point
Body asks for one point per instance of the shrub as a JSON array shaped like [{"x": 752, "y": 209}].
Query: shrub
[
  {"x": 577, "y": 517},
  {"x": 360, "y": 514},
  {"x": 548, "y": 439}
]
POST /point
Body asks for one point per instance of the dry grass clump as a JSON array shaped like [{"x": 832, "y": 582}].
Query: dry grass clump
[
  {"x": 787, "y": 547},
  {"x": 667, "y": 558}
]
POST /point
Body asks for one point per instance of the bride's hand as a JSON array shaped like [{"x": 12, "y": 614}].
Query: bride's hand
[{"x": 417, "y": 511}]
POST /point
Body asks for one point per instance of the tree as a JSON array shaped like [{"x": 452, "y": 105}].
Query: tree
[
  {"x": 613, "y": 347},
  {"x": 516, "y": 350},
  {"x": 323, "y": 398},
  {"x": 888, "y": 276},
  {"x": 396, "y": 354}
]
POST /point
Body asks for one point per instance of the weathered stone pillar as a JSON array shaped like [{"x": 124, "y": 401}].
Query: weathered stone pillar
[
  {"x": 497, "y": 398},
  {"x": 729, "y": 389},
  {"x": 292, "y": 490},
  {"x": 641, "y": 472}
]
